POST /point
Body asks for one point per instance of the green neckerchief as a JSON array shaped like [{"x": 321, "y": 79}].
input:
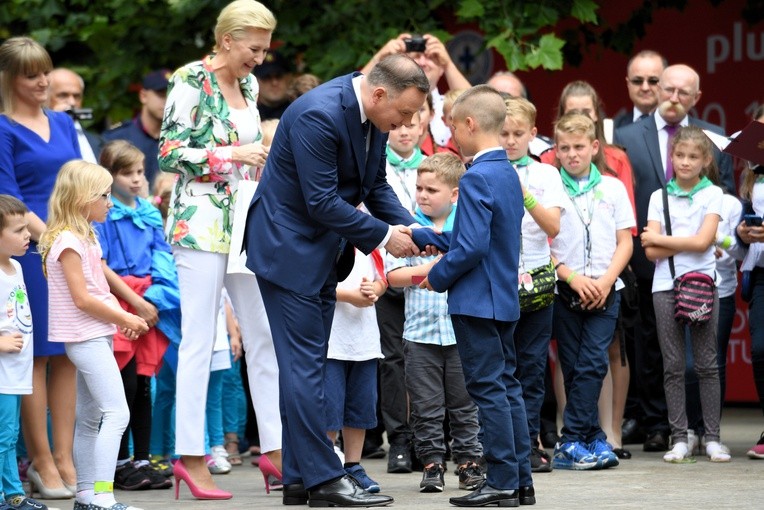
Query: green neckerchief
[
  {"x": 524, "y": 161},
  {"x": 673, "y": 188},
  {"x": 571, "y": 185},
  {"x": 399, "y": 164}
]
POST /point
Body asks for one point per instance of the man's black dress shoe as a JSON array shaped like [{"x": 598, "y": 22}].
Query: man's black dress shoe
[
  {"x": 294, "y": 494},
  {"x": 527, "y": 495},
  {"x": 487, "y": 495},
  {"x": 656, "y": 442},
  {"x": 631, "y": 432},
  {"x": 345, "y": 491}
]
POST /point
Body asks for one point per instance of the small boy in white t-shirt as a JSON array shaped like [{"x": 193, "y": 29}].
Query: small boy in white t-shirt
[
  {"x": 350, "y": 380},
  {"x": 15, "y": 346}
]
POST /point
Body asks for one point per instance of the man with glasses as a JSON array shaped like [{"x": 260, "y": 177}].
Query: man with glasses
[
  {"x": 646, "y": 142},
  {"x": 643, "y": 73}
]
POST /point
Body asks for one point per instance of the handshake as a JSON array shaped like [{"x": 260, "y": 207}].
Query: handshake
[{"x": 418, "y": 241}]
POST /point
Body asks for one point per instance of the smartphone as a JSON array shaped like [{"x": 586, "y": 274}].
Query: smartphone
[
  {"x": 416, "y": 280},
  {"x": 752, "y": 220}
]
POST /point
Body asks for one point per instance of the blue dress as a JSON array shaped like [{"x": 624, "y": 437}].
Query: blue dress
[{"x": 28, "y": 169}]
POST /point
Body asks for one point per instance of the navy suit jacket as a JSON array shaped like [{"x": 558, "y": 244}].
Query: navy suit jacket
[
  {"x": 623, "y": 119},
  {"x": 640, "y": 141},
  {"x": 480, "y": 269},
  {"x": 316, "y": 174}
]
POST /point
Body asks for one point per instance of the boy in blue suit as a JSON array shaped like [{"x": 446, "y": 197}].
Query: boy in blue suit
[{"x": 480, "y": 273}]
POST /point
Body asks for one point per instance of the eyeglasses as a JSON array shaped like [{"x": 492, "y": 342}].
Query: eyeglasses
[
  {"x": 683, "y": 93},
  {"x": 106, "y": 196},
  {"x": 638, "y": 81}
]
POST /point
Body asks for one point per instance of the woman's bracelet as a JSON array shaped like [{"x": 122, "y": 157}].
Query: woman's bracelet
[{"x": 570, "y": 277}]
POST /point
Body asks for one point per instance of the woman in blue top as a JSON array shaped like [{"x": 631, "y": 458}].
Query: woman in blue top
[{"x": 34, "y": 143}]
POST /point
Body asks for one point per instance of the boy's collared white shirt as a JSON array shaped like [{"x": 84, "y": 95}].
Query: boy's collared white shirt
[{"x": 610, "y": 211}]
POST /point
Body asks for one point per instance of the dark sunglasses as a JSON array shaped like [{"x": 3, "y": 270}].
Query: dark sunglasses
[{"x": 639, "y": 81}]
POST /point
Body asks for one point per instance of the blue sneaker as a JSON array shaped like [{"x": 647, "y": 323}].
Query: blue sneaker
[
  {"x": 359, "y": 473},
  {"x": 20, "y": 502},
  {"x": 573, "y": 455},
  {"x": 604, "y": 453}
]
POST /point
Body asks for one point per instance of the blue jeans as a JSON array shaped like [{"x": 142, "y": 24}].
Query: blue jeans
[
  {"x": 532, "y": 336},
  {"x": 234, "y": 400},
  {"x": 10, "y": 412},
  {"x": 582, "y": 345},
  {"x": 163, "y": 412},
  {"x": 214, "y": 409},
  {"x": 756, "y": 325}
]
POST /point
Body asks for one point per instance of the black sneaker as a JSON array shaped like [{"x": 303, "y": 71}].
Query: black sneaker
[
  {"x": 541, "y": 462},
  {"x": 157, "y": 479},
  {"x": 129, "y": 478},
  {"x": 399, "y": 459},
  {"x": 432, "y": 479},
  {"x": 470, "y": 476}
]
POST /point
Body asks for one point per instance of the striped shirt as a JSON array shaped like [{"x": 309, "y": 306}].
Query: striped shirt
[{"x": 67, "y": 323}]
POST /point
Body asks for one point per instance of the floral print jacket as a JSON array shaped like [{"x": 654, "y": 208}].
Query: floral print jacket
[{"x": 196, "y": 143}]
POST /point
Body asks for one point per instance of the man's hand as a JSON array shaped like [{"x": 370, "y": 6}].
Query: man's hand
[{"x": 400, "y": 243}]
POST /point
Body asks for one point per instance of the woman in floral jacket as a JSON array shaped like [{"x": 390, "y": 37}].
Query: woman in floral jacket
[{"x": 211, "y": 139}]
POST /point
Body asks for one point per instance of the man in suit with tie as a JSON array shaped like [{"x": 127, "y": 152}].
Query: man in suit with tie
[
  {"x": 646, "y": 143},
  {"x": 480, "y": 273},
  {"x": 321, "y": 165},
  {"x": 643, "y": 73}
]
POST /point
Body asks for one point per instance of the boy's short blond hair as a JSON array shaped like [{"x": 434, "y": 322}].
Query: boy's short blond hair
[
  {"x": 521, "y": 108},
  {"x": 484, "y": 105},
  {"x": 447, "y": 167},
  {"x": 451, "y": 96},
  {"x": 575, "y": 123}
]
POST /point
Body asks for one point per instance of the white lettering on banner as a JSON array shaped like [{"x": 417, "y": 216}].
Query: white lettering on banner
[
  {"x": 737, "y": 353},
  {"x": 718, "y": 47}
]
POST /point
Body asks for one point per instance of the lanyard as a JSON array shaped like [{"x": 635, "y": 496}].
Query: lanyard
[{"x": 586, "y": 222}]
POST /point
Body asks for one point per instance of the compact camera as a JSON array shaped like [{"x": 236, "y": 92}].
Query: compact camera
[
  {"x": 415, "y": 44},
  {"x": 80, "y": 113}
]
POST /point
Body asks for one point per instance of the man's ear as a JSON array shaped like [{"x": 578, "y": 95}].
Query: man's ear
[{"x": 377, "y": 94}]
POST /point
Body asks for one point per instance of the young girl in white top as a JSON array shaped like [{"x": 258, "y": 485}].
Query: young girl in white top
[
  {"x": 85, "y": 317},
  {"x": 695, "y": 206}
]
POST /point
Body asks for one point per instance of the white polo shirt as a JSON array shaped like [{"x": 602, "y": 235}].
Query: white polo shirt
[
  {"x": 544, "y": 183},
  {"x": 686, "y": 220},
  {"x": 606, "y": 208}
]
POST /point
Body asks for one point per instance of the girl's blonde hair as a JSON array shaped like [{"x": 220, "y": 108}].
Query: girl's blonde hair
[
  {"x": 696, "y": 136},
  {"x": 119, "y": 155},
  {"x": 240, "y": 15},
  {"x": 78, "y": 184},
  {"x": 19, "y": 56}
]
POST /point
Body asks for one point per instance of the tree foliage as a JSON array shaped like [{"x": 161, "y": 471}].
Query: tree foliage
[{"x": 112, "y": 43}]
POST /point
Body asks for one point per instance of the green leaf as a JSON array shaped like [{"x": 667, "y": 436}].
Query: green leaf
[
  {"x": 550, "y": 52},
  {"x": 470, "y": 9},
  {"x": 585, "y": 11}
]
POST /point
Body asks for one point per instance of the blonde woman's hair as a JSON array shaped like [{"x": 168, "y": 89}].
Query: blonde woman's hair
[
  {"x": 118, "y": 155},
  {"x": 447, "y": 167},
  {"x": 240, "y": 15},
  {"x": 575, "y": 123},
  {"x": 78, "y": 184},
  {"x": 19, "y": 56},
  {"x": 521, "y": 108}
]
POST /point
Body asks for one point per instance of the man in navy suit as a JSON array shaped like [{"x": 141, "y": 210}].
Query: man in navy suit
[
  {"x": 321, "y": 166},
  {"x": 480, "y": 273},
  {"x": 643, "y": 72},
  {"x": 645, "y": 143}
]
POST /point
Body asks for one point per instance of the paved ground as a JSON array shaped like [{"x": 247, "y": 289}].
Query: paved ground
[{"x": 642, "y": 482}]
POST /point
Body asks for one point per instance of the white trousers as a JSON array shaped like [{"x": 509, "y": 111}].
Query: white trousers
[{"x": 202, "y": 276}]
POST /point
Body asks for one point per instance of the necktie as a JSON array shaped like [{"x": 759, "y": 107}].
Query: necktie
[
  {"x": 365, "y": 129},
  {"x": 670, "y": 129},
  {"x": 643, "y": 116}
]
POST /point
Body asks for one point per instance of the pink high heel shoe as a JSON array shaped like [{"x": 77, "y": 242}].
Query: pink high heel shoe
[
  {"x": 271, "y": 474},
  {"x": 180, "y": 473}
]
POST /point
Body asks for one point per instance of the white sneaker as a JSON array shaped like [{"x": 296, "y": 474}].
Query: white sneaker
[
  {"x": 717, "y": 452},
  {"x": 218, "y": 462},
  {"x": 680, "y": 453}
]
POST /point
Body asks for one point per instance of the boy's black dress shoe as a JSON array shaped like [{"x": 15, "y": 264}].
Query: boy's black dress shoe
[
  {"x": 656, "y": 442},
  {"x": 294, "y": 494},
  {"x": 345, "y": 491},
  {"x": 527, "y": 495},
  {"x": 487, "y": 495}
]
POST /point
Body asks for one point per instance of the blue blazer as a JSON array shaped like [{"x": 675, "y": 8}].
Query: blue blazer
[
  {"x": 316, "y": 174},
  {"x": 480, "y": 269},
  {"x": 640, "y": 141}
]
